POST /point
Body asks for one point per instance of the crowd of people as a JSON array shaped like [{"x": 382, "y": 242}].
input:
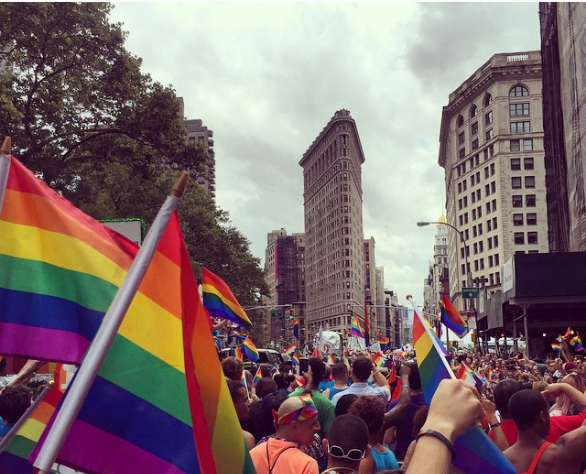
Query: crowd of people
[{"x": 358, "y": 417}]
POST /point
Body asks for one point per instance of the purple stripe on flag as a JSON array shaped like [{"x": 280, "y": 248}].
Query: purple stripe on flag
[
  {"x": 124, "y": 456},
  {"x": 63, "y": 346},
  {"x": 12, "y": 464}
]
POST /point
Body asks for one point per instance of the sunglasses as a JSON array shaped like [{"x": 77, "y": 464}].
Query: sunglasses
[{"x": 353, "y": 454}]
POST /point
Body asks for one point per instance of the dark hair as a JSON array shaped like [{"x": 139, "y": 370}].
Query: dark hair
[
  {"x": 503, "y": 391},
  {"x": 265, "y": 386},
  {"x": 371, "y": 410},
  {"x": 419, "y": 420},
  {"x": 233, "y": 368},
  {"x": 525, "y": 407},
  {"x": 234, "y": 387},
  {"x": 414, "y": 379},
  {"x": 280, "y": 381},
  {"x": 339, "y": 370},
  {"x": 344, "y": 403},
  {"x": 361, "y": 368},
  {"x": 14, "y": 401},
  {"x": 318, "y": 368},
  {"x": 348, "y": 432},
  {"x": 327, "y": 373}
]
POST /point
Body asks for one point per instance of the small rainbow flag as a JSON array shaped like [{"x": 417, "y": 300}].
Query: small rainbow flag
[
  {"x": 384, "y": 343},
  {"x": 475, "y": 451},
  {"x": 356, "y": 330},
  {"x": 295, "y": 360},
  {"x": 556, "y": 346},
  {"x": 330, "y": 360},
  {"x": 290, "y": 350},
  {"x": 249, "y": 349},
  {"x": 451, "y": 318},
  {"x": 576, "y": 342},
  {"x": 238, "y": 353},
  {"x": 219, "y": 300},
  {"x": 379, "y": 359},
  {"x": 257, "y": 376}
]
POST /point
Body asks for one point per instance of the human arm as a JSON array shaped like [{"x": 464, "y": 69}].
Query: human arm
[
  {"x": 395, "y": 413},
  {"x": 498, "y": 435},
  {"x": 454, "y": 409},
  {"x": 577, "y": 397}
]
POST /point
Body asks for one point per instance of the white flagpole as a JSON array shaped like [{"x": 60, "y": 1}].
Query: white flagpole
[
  {"x": 96, "y": 354},
  {"x": 4, "y": 169}
]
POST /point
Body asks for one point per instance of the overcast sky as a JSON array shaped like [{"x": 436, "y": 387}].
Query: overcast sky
[{"x": 267, "y": 77}]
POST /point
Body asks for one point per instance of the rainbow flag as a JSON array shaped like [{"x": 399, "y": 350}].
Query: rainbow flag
[
  {"x": 384, "y": 343},
  {"x": 14, "y": 456},
  {"x": 161, "y": 375},
  {"x": 295, "y": 360},
  {"x": 238, "y": 353},
  {"x": 291, "y": 349},
  {"x": 249, "y": 349},
  {"x": 257, "y": 376},
  {"x": 52, "y": 301},
  {"x": 469, "y": 376},
  {"x": 452, "y": 319},
  {"x": 296, "y": 329},
  {"x": 556, "y": 346},
  {"x": 475, "y": 451},
  {"x": 379, "y": 359},
  {"x": 330, "y": 360},
  {"x": 219, "y": 300},
  {"x": 576, "y": 342},
  {"x": 356, "y": 330}
]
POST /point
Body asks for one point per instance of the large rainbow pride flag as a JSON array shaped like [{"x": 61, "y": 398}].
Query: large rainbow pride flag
[
  {"x": 59, "y": 270},
  {"x": 451, "y": 318},
  {"x": 476, "y": 453},
  {"x": 355, "y": 329},
  {"x": 220, "y": 302}
]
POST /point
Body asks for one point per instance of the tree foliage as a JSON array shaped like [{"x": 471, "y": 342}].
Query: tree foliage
[{"x": 83, "y": 116}]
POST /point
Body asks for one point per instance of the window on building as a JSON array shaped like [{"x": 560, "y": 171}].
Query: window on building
[
  {"x": 488, "y": 118},
  {"x": 488, "y": 208},
  {"x": 472, "y": 178},
  {"x": 473, "y": 111},
  {"x": 527, "y": 144},
  {"x": 514, "y": 145},
  {"x": 493, "y": 205},
  {"x": 531, "y": 218},
  {"x": 465, "y": 201},
  {"x": 474, "y": 128},
  {"x": 496, "y": 259},
  {"x": 487, "y": 100},
  {"x": 482, "y": 264},
  {"x": 473, "y": 214},
  {"x": 473, "y": 198},
  {"x": 517, "y": 200},
  {"x": 516, "y": 182},
  {"x": 461, "y": 138},
  {"x": 528, "y": 163},
  {"x": 489, "y": 135},
  {"x": 475, "y": 246},
  {"x": 519, "y": 109},
  {"x": 481, "y": 246},
  {"x": 459, "y": 188},
  {"x": 519, "y": 91},
  {"x": 515, "y": 164},
  {"x": 493, "y": 187},
  {"x": 479, "y": 229},
  {"x": 474, "y": 231},
  {"x": 490, "y": 263},
  {"x": 461, "y": 219},
  {"x": 494, "y": 224},
  {"x": 488, "y": 225},
  {"x": 460, "y": 121},
  {"x": 521, "y": 127},
  {"x": 486, "y": 172},
  {"x": 530, "y": 200},
  {"x": 529, "y": 181},
  {"x": 517, "y": 219},
  {"x": 519, "y": 237},
  {"x": 489, "y": 243},
  {"x": 492, "y": 168},
  {"x": 478, "y": 194},
  {"x": 532, "y": 237},
  {"x": 462, "y": 154},
  {"x": 475, "y": 144},
  {"x": 486, "y": 190},
  {"x": 466, "y": 218}
]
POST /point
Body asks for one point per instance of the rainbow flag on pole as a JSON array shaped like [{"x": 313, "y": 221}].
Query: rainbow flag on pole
[
  {"x": 219, "y": 300},
  {"x": 384, "y": 343},
  {"x": 59, "y": 269},
  {"x": 475, "y": 451},
  {"x": 290, "y": 350},
  {"x": 356, "y": 330},
  {"x": 257, "y": 376},
  {"x": 249, "y": 349},
  {"x": 451, "y": 318}
]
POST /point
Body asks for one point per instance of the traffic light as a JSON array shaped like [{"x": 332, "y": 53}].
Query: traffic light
[{"x": 291, "y": 314}]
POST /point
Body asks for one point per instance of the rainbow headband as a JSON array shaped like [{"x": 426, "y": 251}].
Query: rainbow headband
[{"x": 305, "y": 412}]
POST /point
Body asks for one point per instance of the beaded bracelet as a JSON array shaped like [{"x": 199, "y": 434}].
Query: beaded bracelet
[{"x": 442, "y": 438}]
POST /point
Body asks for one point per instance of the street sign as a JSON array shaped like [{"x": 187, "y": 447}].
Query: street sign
[
  {"x": 276, "y": 313},
  {"x": 470, "y": 293}
]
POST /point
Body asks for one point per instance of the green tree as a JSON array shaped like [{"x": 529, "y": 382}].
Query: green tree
[{"x": 83, "y": 116}]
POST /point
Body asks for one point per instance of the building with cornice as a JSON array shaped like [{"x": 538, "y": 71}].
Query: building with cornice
[
  {"x": 334, "y": 256},
  {"x": 492, "y": 151}
]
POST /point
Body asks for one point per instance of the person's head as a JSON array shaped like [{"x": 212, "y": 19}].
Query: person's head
[
  {"x": 344, "y": 403},
  {"x": 297, "y": 420},
  {"x": 340, "y": 372},
  {"x": 281, "y": 381},
  {"x": 233, "y": 368},
  {"x": 14, "y": 401},
  {"x": 347, "y": 442},
  {"x": 239, "y": 398},
  {"x": 529, "y": 411},
  {"x": 361, "y": 369},
  {"x": 327, "y": 373},
  {"x": 265, "y": 386},
  {"x": 503, "y": 391},
  {"x": 414, "y": 379},
  {"x": 563, "y": 401},
  {"x": 318, "y": 368},
  {"x": 371, "y": 410}
]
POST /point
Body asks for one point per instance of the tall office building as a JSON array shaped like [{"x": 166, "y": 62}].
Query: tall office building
[
  {"x": 437, "y": 281},
  {"x": 197, "y": 132},
  {"x": 491, "y": 148},
  {"x": 334, "y": 256},
  {"x": 563, "y": 49},
  {"x": 370, "y": 286},
  {"x": 285, "y": 277}
]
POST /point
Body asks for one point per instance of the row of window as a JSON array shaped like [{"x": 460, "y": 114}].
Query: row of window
[
  {"x": 516, "y": 91},
  {"x": 473, "y": 160},
  {"x": 517, "y": 145},
  {"x": 517, "y": 182},
  {"x": 520, "y": 219},
  {"x": 519, "y": 238},
  {"x": 528, "y": 163}
]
